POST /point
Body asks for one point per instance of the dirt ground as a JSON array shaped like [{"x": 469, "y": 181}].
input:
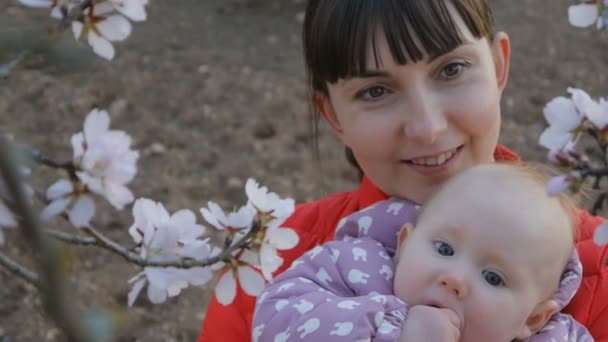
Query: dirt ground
[{"x": 213, "y": 92}]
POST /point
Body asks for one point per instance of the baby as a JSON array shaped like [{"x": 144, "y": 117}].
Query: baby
[{"x": 476, "y": 266}]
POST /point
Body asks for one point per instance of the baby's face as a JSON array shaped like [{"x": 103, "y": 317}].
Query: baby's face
[{"x": 488, "y": 265}]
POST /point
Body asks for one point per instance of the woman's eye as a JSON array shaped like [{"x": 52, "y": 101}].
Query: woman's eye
[
  {"x": 453, "y": 69},
  {"x": 443, "y": 248},
  {"x": 493, "y": 278},
  {"x": 372, "y": 93}
]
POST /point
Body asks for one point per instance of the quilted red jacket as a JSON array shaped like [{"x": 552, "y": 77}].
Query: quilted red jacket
[{"x": 315, "y": 223}]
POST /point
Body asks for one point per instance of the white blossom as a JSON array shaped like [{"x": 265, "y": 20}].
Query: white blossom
[
  {"x": 563, "y": 118},
  {"x": 600, "y": 236},
  {"x": 101, "y": 34},
  {"x": 167, "y": 237},
  {"x": 101, "y": 24},
  {"x": 64, "y": 196},
  {"x": 583, "y": 15},
  {"x": 269, "y": 202},
  {"x": 105, "y": 158},
  {"x": 38, "y": 3},
  {"x": 276, "y": 239},
  {"x": 250, "y": 280},
  {"x": 240, "y": 219},
  {"x": 132, "y": 9}
]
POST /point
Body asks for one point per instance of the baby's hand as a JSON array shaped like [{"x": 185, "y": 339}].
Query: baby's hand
[{"x": 430, "y": 324}]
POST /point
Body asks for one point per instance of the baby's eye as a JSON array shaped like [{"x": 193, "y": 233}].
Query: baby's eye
[
  {"x": 493, "y": 278},
  {"x": 453, "y": 69},
  {"x": 443, "y": 248},
  {"x": 372, "y": 93}
]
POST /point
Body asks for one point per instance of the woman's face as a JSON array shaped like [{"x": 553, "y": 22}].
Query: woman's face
[{"x": 413, "y": 126}]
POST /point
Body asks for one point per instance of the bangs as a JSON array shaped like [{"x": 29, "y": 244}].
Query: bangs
[{"x": 337, "y": 35}]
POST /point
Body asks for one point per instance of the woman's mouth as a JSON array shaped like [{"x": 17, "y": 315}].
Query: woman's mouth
[{"x": 434, "y": 161}]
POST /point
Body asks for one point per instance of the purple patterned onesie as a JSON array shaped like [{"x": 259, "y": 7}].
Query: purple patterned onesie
[{"x": 343, "y": 289}]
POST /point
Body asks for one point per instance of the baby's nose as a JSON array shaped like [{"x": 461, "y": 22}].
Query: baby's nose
[{"x": 454, "y": 283}]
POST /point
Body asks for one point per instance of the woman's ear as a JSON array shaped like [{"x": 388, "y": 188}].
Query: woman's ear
[
  {"x": 324, "y": 106},
  {"x": 501, "y": 49},
  {"x": 538, "y": 318}
]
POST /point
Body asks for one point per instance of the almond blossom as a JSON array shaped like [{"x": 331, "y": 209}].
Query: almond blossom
[
  {"x": 64, "y": 196},
  {"x": 105, "y": 159},
  {"x": 101, "y": 22},
  {"x": 589, "y": 13},
  {"x": 251, "y": 267},
  {"x": 167, "y": 237},
  {"x": 600, "y": 236},
  {"x": 104, "y": 163},
  {"x": 564, "y": 119}
]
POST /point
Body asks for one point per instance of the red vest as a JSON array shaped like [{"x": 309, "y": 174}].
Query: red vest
[{"x": 315, "y": 224}]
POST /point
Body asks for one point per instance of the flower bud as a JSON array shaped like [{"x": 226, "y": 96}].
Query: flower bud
[{"x": 558, "y": 184}]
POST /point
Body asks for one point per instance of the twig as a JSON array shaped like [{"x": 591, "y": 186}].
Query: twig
[
  {"x": 57, "y": 301},
  {"x": 595, "y": 172},
  {"x": 132, "y": 257},
  {"x": 72, "y": 239},
  {"x": 19, "y": 270},
  {"x": 5, "y": 69},
  {"x": 599, "y": 203},
  {"x": 74, "y": 14},
  {"x": 38, "y": 157}
]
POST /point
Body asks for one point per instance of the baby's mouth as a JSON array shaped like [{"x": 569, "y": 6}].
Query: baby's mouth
[{"x": 437, "y": 160}]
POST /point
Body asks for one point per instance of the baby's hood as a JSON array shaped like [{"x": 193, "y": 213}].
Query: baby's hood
[
  {"x": 381, "y": 221},
  {"x": 570, "y": 281}
]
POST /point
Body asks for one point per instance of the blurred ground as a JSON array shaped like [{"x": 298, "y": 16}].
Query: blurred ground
[{"x": 213, "y": 92}]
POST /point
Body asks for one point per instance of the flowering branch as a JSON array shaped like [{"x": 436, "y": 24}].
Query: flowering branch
[
  {"x": 71, "y": 239},
  {"x": 74, "y": 14},
  {"x": 19, "y": 270},
  {"x": 55, "y": 297}
]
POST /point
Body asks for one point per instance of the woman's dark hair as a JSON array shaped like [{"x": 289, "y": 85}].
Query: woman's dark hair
[{"x": 337, "y": 33}]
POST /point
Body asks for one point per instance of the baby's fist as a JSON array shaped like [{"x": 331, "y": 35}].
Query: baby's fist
[{"x": 430, "y": 324}]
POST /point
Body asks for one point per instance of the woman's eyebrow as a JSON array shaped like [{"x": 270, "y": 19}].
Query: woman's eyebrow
[
  {"x": 371, "y": 73},
  {"x": 466, "y": 44}
]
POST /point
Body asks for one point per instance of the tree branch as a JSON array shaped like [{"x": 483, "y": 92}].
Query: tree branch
[
  {"x": 19, "y": 270},
  {"x": 55, "y": 297},
  {"x": 72, "y": 239},
  {"x": 132, "y": 257},
  {"x": 73, "y": 15}
]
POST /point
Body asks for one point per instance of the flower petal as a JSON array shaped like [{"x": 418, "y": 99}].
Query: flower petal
[
  {"x": 133, "y": 9},
  {"x": 37, "y": 3},
  {"x": 77, "y": 28},
  {"x": 82, "y": 212},
  {"x": 558, "y": 184},
  {"x": 214, "y": 215},
  {"x": 135, "y": 290},
  {"x": 114, "y": 28},
  {"x": 118, "y": 195},
  {"x": 225, "y": 291},
  {"x": 555, "y": 139},
  {"x": 282, "y": 238},
  {"x": 55, "y": 208},
  {"x": 251, "y": 281},
  {"x": 562, "y": 113},
  {"x": 600, "y": 236},
  {"x": 77, "y": 142},
  {"x": 58, "y": 189},
  {"x": 96, "y": 124},
  {"x": 101, "y": 46},
  {"x": 583, "y": 15}
]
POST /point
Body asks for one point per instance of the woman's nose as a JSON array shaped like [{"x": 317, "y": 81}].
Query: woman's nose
[
  {"x": 426, "y": 119},
  {"x": 454, "y": 283}
]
